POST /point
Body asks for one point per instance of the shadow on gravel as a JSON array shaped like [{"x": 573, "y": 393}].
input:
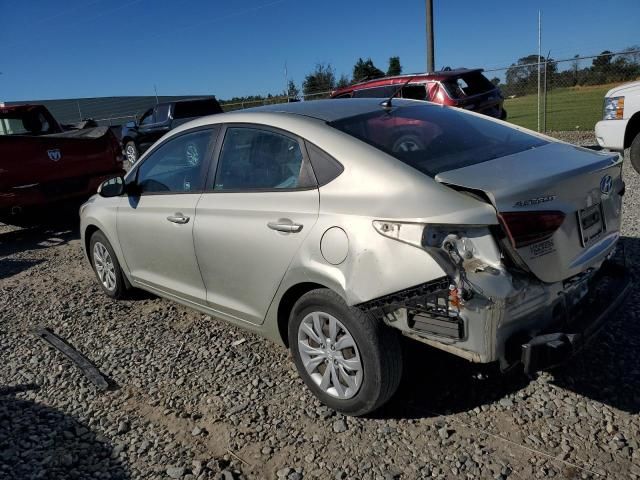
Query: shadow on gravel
[
  {"x": 36, "y": 230},
  {"x": 436, "y": 383},
  {"x": 40, "y": 442},
  {"x": 607, "y": 370}
]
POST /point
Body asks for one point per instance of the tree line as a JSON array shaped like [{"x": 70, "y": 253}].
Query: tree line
[
  {"x": 521, "y": 78},
  {"x": 323, "y": 79}
]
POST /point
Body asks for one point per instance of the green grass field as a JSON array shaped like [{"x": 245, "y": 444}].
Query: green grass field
[{"x": 573, "y": 108}]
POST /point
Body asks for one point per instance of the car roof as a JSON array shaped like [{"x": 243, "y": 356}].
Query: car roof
[
  {"x": 332, "y": 109},
  {"x": 414, "y": 77}
]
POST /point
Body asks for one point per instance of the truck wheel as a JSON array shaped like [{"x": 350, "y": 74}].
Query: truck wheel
[
  {"x": 350, "y": 361},
  {"x": 105, "y": 265},
  {"x": 634, "y": 153},
  {"x": 131, "y": 152}
]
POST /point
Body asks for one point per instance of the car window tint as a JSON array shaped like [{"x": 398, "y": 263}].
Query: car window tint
[
  {"x": 177, "y": 166},
  {"x": 196, "y": 108},
  {"x": 254, "y": 159},
  {"x": 467, "y": 85},
  {"x": 415, "y": 92},
  {"x": 376, "y": 92},
  {"x": 147, "y": 118},
  {"x": 162, "y": 113},
  {"x": 434, "y": 139}
]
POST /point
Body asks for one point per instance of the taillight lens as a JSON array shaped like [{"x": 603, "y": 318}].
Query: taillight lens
[{"x": 526, "y": 228}]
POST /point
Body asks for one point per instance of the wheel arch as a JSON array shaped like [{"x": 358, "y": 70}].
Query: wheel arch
[
  {"x": 88, "y": 233},
  {"x": 287, "y": 301},
  {"x": 633, "y": 129},
  {"x": 92, "y": 228}
]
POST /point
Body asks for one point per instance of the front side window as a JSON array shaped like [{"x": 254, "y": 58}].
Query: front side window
[
  {"x": 147, "y": 118},
  {"x": 162, "y": 113},
  {"x": 177, "y": 166},
  {"x": 255, "y": 159}
]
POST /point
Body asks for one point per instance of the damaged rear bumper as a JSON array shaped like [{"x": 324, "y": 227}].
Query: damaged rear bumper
[
  {"x": 536, "y": 325},
  {"x": 610, "y": 288}
]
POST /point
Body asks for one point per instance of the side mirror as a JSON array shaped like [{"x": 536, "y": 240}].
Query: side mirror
[
  {"x": 130, "y": 124},
  {"x": 114, "y": 187}
]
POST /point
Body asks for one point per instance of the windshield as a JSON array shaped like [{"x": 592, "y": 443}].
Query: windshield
[
  {"x": 436, "y": 139},
  {"x": 23, "y": 123}
]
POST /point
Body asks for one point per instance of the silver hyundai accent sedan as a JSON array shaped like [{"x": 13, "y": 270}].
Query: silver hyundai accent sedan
[{"x": 333, "y": 227}]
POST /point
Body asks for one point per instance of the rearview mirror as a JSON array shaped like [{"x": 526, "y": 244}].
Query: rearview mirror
[
  {"x": 114, "y": 187},
  {"x": 130, "y": 124}
]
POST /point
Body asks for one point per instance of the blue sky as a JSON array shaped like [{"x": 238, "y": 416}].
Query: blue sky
[{"x": 74, "y": 48}]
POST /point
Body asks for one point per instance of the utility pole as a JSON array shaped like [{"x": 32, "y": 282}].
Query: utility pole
[
  {"x": 430, "y": 59},
  {"x": 155, "y": 89},
  {"x": 539, "y": 64}
]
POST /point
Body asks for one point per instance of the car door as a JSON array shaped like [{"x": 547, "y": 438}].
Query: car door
[
  {"x": 254, "y": 215},
  {"x": 155, "y": 222},
  {"x": 153, "y": 126}
]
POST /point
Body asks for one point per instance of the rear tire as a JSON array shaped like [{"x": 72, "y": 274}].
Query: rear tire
[
  {"x": 363, "y": 359},
  {"x": 634, "y": 153},
  {"x": 106, "y": 266}
]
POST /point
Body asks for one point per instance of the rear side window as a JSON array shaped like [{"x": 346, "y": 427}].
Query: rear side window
[
  {"x": 256, "y": 159},
  {"x": 196, "y": 108},
  {"x": 468, "y": 85},
  {"x": 24, "y": 123},
  {"x": 375, "y": 92},
  {"x": 415, "y": 92},
  {"x": 325, "y": 167},
  {"x": 434, "y": 139}
]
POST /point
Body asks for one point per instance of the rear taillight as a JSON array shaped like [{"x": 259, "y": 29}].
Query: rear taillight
[{"x": 526, "y": 228}]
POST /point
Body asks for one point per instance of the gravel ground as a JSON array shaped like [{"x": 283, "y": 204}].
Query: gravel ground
[{"x": 193, "y": 397}]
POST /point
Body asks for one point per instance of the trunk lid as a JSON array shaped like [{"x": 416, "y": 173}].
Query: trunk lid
[{"x": 556, "y": 179}]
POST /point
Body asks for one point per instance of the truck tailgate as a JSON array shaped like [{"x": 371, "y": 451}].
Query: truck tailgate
[{"x": 37, "y": 160}]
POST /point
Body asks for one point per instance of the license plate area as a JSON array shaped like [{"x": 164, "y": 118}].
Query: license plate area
[{"x": 591, "y": 224}]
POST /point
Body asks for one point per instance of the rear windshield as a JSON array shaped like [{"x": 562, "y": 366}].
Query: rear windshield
[
  {"x": 436, "y": 139},
  {"x": 468, "y": 85},
  {"x": 196, "y": 108},
  {"x": 24, "y": 123}
]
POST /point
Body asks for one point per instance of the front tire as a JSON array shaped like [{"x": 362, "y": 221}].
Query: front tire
[
  {"x": 131, "y": 152},
  {"x": 351, "y": 362},
  {"x": 106, "y": 267},
  {"x": 634, "y": 153}
]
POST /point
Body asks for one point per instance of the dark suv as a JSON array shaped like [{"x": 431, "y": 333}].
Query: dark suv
[
  {"x": 464, "y": 88},
  {"x": 155, "y": 122}
]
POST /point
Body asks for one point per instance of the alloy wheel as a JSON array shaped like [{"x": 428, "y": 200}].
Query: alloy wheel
[
  {"x": 330, "y": 355},
  {"x": 130, "y": 152},
  {"x": 104, "y": 266}
]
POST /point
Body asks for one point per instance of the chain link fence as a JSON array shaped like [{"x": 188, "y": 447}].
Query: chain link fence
[{"x": 570, "y": 92}]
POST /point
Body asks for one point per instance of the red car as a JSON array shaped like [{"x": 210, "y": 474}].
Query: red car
[
  {"x": 464, "y": 88},
  {"x": 41, "y": 163}
]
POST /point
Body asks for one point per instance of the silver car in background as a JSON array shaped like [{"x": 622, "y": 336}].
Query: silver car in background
[{"x": 333, "y": 227}]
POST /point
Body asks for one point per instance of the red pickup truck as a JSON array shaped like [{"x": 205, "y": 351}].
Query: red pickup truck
[{"x": 41, "y": 163}]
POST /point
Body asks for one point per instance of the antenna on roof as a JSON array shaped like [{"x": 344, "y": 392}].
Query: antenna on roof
[{"x": 387, "y": 103}]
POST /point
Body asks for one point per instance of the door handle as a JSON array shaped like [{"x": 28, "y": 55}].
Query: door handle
[
  {"x": 178, "y": 218},
  {"x": 285, "y": 227}
]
